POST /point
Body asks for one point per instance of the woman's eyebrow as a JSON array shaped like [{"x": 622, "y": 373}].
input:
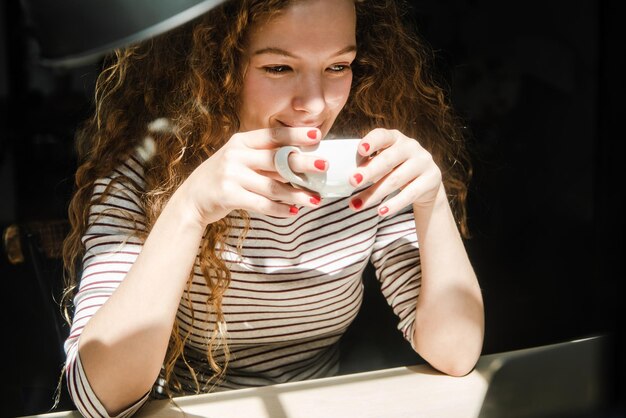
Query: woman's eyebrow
[
  {"x": 285, "y": 53},
  {"x": 275, "y": 51},
  {"x": 349, "y": 48}
]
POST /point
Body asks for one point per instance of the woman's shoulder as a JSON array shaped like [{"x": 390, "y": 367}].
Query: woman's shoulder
[
  {"x": 130, "y": 173},
  {"x": 117, "y": 199},
  {"x": 123, "y": 188}
]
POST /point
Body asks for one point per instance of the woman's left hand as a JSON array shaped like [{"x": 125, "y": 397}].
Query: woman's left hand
[{"x": 397, "y": 163}]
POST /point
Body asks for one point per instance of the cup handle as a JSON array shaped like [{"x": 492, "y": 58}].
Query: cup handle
[{"x": 281, "y": 162}]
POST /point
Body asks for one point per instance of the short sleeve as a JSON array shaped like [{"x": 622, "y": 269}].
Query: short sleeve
[
  {"x": 111, "y": 247},
  {"x": 396, "y": 260},
  {"x": 86, "y": 401}
]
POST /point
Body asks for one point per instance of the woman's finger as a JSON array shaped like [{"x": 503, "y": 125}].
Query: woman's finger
[
  {"x": 256, "y": 203},
  {"x": 378, "y": 140},
  {"x": 388, "y": 160},
  {"x": 232, "y": 196},
  {"x": 263, "y": 160},
  {"x": 394, "y": 180},
  {"x": 301, "y": 163},
  {"x": 387, "y": 150},
  {"x": 279, "y": 191},
  {"x": 271, "y": 138},
  {"x": 260, "y": 160},
  {"x": 273, "y": 175},
  {"x": 423, "y": 188}
]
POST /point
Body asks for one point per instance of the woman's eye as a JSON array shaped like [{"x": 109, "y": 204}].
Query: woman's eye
[
  {"x": 338, "y": 68},
  {"x": 277, "y": 69}
]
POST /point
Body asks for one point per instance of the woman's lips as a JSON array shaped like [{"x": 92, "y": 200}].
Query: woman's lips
[{"x": 301, "y": 125}]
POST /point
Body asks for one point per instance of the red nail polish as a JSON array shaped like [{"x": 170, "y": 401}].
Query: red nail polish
[
  {"x": 315, "y": 200},
  {"x": 358, "y": 178},
  {"x": 366, "y": 146},
  {"x": 294, "y": 210},
  {"x": 383, "y": 210},
  {"x": 320, "y": 164},
  {"x": 357, "y": 203},
  {"x": 312, "y": 134}
]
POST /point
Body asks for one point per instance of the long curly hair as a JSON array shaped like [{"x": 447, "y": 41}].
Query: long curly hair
[{"x": 193, "y": 76}]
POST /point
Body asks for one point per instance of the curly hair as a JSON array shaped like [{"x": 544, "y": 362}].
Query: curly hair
[{"x": 193, "y": 76}]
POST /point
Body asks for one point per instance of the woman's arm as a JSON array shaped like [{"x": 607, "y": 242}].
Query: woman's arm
[
  {"x": 449, "y": 324},
  {"x": 123, "y": 345},
  {"x": 449, "y": 318}
]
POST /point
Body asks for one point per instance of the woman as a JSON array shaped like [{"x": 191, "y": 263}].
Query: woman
[{"x": 200, "y": 268}]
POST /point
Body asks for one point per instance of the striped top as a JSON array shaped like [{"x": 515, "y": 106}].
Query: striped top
[{"x": 295, "y": 287}]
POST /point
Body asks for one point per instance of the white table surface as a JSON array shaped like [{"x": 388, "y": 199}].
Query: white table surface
[
  {"x": 413, "y": 391},
  {"x": 398, "y": 392}
]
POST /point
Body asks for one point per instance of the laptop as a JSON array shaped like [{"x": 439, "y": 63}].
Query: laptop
[{"x": 568, "y": 380}]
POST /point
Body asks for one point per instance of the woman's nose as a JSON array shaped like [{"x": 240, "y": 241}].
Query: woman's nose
[{"x": 309, "y": 95}]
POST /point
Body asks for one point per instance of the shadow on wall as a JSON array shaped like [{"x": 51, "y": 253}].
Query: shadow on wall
[{"x": 527, "y": 85}]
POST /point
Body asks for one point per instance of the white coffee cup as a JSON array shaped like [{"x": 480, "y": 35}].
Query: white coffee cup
[{"x": 342, "y": 158}]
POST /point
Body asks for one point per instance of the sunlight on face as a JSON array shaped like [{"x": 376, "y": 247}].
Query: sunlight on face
[{"x": 298, "y": 68}]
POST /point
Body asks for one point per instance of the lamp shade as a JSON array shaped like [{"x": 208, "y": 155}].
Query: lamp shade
[{"x": 77, "y": 32}]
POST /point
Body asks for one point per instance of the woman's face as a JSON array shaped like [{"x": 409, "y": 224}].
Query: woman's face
[{"x": 298, "y": 66}]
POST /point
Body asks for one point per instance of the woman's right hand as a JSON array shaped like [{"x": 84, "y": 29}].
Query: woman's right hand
[{"x": 241, "y": 175}]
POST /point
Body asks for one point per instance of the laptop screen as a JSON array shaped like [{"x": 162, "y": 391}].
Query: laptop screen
[{"x": 559, "y": 380}]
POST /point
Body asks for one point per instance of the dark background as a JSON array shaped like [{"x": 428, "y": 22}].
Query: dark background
[{"x": 539, "y": 84}]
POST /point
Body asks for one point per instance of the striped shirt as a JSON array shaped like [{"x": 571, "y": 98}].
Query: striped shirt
[{"x": 295, "y": 288}]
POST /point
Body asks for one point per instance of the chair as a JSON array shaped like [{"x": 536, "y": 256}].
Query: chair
[
  {"x": 39, "y": 244},
  {"x": 35, "y": 275}
]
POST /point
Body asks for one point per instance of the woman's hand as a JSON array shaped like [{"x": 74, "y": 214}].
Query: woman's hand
[
  {"x": 397, "y": 163},
  {"x": 241, "y": 175}
]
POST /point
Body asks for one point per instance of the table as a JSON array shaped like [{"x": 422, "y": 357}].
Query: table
[{"x": 415, "y": 391}]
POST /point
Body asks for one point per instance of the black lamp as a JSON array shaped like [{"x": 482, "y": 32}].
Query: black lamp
[{"x": 72, "y": 33}]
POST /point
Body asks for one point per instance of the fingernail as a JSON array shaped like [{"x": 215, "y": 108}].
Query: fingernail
[
  {"x": 366, "y": 146},
  {"x": 320, "y": 165},
  {"x": 357, "y": 203},
  {"x": 383, "y": 210},
  {"x": 315, "y": 200},
  {"x": 312, "y": 134},
  {"x": 358, "y": 178},
  {"x": 293, "y": 209}
]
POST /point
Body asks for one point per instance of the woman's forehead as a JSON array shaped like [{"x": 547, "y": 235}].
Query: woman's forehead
[{"x": 311, "y": 23}]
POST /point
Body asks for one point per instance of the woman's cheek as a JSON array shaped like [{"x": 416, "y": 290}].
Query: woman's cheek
[{"x": 338, "y": 95}]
